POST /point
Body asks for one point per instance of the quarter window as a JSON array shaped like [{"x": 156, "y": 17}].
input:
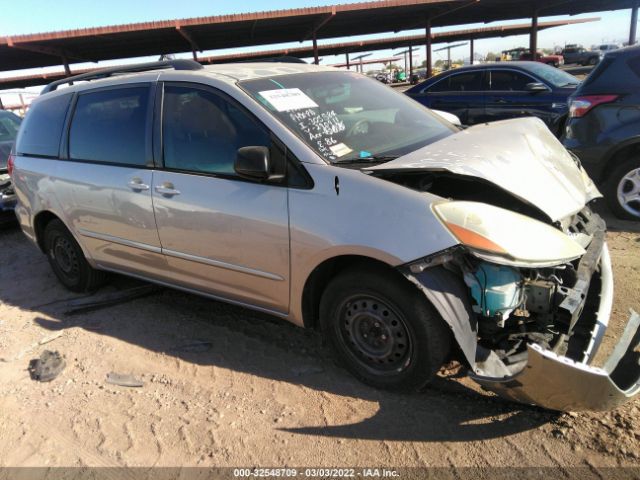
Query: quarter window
[
  {"x": 41, "y": 130},
  {"x": 202, "y": 131},
  {"x": 110, "y": 126}
]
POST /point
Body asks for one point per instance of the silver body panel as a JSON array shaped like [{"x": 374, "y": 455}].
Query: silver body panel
[
  {"x": 520, "y": 156},
  {"x": 227, "y": 237}
]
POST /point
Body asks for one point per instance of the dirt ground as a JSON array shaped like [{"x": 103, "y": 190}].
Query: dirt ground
[{"x": 225, "y": 386}]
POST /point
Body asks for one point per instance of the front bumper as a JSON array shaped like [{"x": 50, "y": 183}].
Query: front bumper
[
  {"x": 8, "y": 196},
  {"x": 7, "y": 207},
  {"x": 560, "y": 383},
  {"x": 7, "y": 202}
]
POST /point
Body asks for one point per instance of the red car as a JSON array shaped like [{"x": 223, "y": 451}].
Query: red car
[{"x": 525, "y": 54}]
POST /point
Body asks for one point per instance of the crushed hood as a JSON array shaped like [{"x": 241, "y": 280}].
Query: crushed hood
[{"x": 520, "y": 156}]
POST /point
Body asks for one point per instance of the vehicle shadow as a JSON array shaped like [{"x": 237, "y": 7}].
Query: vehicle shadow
[
  {"x": 209, "y": 333},
  {"x": 615, "y": 224}
]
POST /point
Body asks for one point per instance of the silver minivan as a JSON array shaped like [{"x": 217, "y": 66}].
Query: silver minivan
[{"x": 328, "y": 199}]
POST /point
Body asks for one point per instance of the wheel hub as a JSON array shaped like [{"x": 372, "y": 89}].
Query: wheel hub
[
  {"x": 629, "y": 192},
  {"x": 64, "y": 255},
  {"x": 374, "y": 333}
]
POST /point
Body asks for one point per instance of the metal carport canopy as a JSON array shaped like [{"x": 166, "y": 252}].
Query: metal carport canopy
[
  {"x": 327, "y": 49},
  {"x": 271, "y": 27}
]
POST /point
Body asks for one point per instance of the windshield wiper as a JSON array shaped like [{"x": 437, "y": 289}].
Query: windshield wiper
[{"x": 371, "y": 159}]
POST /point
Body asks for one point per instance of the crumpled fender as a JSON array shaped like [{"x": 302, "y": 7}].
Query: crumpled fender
[{"x": 449, "y": 295}]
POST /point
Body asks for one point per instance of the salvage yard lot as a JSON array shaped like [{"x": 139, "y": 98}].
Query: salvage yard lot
[{"x": 225, "y": 386}]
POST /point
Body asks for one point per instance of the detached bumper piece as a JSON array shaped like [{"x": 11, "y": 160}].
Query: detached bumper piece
[{"x": 559, "y": 383}]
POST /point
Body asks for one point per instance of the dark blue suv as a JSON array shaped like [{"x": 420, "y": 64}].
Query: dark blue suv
[
  {"x": 498, "y": 91},
  {"x": 604, "y": 129}
]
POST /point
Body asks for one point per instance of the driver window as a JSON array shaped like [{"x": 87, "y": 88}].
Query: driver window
[{"x": 202, "y": 131}]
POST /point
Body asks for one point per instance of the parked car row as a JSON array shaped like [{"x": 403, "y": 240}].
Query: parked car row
[
  {"x": 489, "y": 92},
  {"x": 598, "y": 119}
]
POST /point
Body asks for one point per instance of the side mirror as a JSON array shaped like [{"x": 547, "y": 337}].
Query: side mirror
[
  {"x": 253, "y": 163},
  {"x": 536, "y": 87},
  {"x": 449, "y": 117}
]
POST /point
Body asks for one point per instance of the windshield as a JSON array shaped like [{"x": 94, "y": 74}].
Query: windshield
[
  {"x": 346, "y": 116},
  {"x": 9, "y": 125},
  {"x": 554, "y": 76}
]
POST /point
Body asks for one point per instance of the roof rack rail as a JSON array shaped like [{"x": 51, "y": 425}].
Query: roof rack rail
[
  {"x": 180, "y": 64},
  {"x": 280, "y": 59}
]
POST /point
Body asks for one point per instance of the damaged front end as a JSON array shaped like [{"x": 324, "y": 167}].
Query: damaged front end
[{"x": 529, "y": 323}]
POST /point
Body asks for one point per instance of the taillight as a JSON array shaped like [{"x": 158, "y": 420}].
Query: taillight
[
  {"x": 580, "y": 106},
  {"x": 10, "y": 161}
]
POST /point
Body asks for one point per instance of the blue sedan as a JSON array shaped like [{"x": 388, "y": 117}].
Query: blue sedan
[{"x": 498, "y": 91}]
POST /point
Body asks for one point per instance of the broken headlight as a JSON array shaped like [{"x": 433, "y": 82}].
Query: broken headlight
[{"x": 505, "y": 237}]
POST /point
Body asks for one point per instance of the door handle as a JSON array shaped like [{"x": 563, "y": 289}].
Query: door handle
[
  {"x": 167, "y": 189},
  {"x": 499, "y": 100},
  {"x": 137, "y": 185}
]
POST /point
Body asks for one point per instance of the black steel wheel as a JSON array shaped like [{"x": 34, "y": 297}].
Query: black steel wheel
[
  {"x": 375, "y": 334},
  {"x": 67, "y": 260},
  {"x": 383, "y": 329}
]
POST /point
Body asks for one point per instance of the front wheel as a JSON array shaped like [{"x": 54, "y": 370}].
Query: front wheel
[
  {"x": 67, "y": 260},
  {"x": 383, "y": 329},
  {"x": 622, "y": 190}
]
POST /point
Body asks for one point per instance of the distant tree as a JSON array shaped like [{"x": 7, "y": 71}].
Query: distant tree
[
  {"x": 492, "y": 57},
  {"x": 440, "y": 63}
]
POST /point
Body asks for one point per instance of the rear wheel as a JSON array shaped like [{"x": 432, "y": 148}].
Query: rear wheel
[
  {"x": 593, "y": 61},
  {"x": 67, "y": 260},
  {"x": 622, "y": 190},
  {"x": 384, "y": 330}
]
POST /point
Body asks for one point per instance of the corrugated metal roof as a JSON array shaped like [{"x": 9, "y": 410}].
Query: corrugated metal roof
[
  {"x": 327, "y": 49},
  {"x": 271, "y": 27}
]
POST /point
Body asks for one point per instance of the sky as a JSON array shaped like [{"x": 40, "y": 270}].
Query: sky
[{"x": 36, "y": 16}]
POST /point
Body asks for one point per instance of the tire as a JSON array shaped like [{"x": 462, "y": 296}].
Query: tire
[
  {"x": 383, "y": 329},
  {"x": 68, "y": 261},
  {"x": 593, "y": 61},
  {"x": 624, "y": 179}
]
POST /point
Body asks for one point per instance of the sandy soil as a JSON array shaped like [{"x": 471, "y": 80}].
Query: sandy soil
[{"x": 225, "y": 386}]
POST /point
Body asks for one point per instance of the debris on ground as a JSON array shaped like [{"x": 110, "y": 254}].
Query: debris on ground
[
  {"x": 123, "y": 380},
  {"x": 33, "y": 346},
  {"x": 94, "y": 302},
  {"x": 47, "y": 367}
]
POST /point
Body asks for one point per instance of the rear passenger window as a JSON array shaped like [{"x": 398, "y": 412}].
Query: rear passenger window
[
  {"x": 460, "y": 82},
  {"x": 202, "y": 131},
  {"x": 110, "y": 126},
  {"x": 505, "y": 80},
  {"x": 42, "y": 128}
]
